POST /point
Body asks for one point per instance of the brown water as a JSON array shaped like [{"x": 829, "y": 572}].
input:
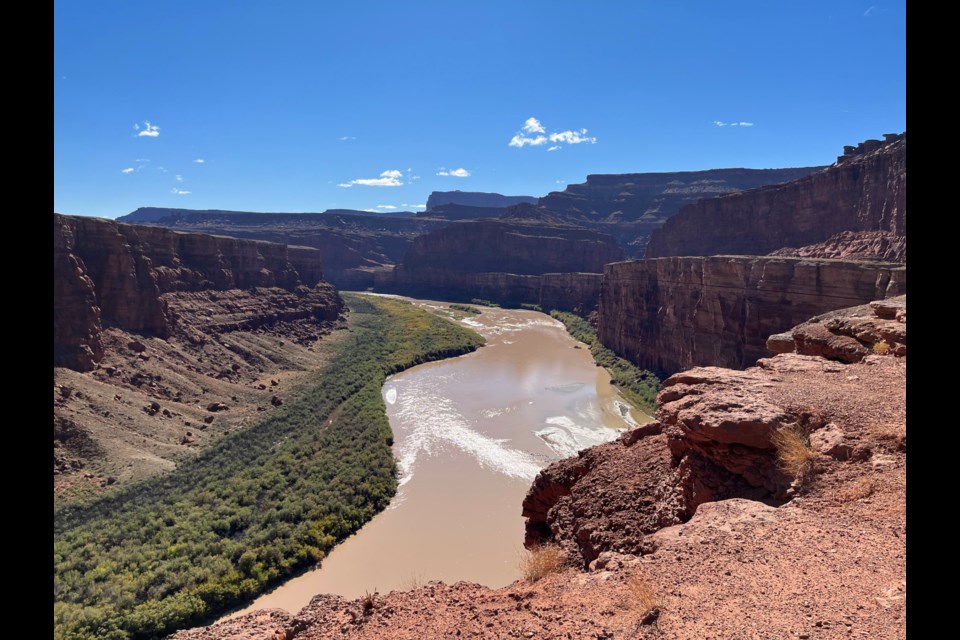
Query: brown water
[{"x": 470, "y": 435}]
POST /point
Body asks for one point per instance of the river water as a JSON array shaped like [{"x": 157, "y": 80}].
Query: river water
[{"x": 470, "y": 434}]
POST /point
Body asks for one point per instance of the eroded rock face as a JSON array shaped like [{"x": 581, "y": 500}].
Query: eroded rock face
[
  {"x": 475, "y": 199},
  {"x": 148, "y": 279},
  {"x": 671, "y": 314},
  {"x": 863, "y": 192}
]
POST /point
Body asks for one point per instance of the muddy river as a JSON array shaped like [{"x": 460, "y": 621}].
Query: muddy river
[{"x": 470, "y": 434}]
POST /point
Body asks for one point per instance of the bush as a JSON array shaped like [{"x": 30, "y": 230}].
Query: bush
[{"x": 542, "y": 560}]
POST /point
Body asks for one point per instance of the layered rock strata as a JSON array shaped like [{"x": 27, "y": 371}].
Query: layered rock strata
[
  {"x": 863, "y": 192},
  {"x": 670, "y": 314},
  {"x": 137, "y": 278}
]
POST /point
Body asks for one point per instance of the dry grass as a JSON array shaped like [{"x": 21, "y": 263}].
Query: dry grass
[
  {"x": 881, "y": 348},
  {"x": 641, "y": 597},
  {"x": 890, "y": 433},
  {"x": 541, "y": 561},
  {"x": 414, "y": 582},
  {"x": 862, "y": 488},
  {"x": 793, "y": 451}
]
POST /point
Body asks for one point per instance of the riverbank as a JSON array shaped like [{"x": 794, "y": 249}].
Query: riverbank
[{"x": 256, "y": 507}]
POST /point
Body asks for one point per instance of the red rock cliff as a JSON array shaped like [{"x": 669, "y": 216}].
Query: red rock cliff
[
  {"x": 671, "y": 314},
  {"x": 137, "y": 278},
  {"x": 863, "y": 194}
]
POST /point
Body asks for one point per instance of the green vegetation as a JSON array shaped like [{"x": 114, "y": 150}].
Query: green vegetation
[
  {"x": 637, "y": 385},
  {"x": 483, "y": 303},
  {"x": 465, "y": 308},
  {"x": 531, "y": 307},
  {"x": 256, "y": 507}
]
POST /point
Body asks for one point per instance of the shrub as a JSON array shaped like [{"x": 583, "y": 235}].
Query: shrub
[
  {"x": 542, "y": 560},
  {"x": 881, "y": 348},
  {"x": 794, "y": 454}
]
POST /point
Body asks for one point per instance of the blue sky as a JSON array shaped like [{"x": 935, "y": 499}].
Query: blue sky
[{"x": 275, "y": 106}]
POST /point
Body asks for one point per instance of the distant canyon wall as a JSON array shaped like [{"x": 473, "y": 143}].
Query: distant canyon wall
[
  {"x": 670, "y": 314},
  {"x": 143, "y": 279},
  {"x": 854, "y": 208},
  {"x": 629, "y": 206},
  {"x": 506, "y": 262}
]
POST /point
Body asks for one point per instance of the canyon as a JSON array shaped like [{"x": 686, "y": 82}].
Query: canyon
[
  {"x": 729, "y": 515},
  {"x": 700, "y": 524}
]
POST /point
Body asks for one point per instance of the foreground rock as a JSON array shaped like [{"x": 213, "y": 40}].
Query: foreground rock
[{"x": 689, "y": 528}]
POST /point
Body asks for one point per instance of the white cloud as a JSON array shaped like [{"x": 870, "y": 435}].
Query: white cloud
[
  {"x": 179, "y": 192},
  {"x": 532, "y": 125},
  {"x": 389, "y": 178},
  {"x": 521, "y": 140},
  {"x": 870, "y": 10},
  {"x": 179, "y": 178},
  {"x": 415, "y": 206},
  {"x": 148, "y": 131},
  {"x": 456, "y": 173},
  {"x": 414, "y": 177},
  {"x": 142, "y": 160},
  {"x": 127, "y": 170},
  {"x": 199, "y": 160},
  {"x": 162, "y": 169},
  {"x": 343, "y": 138},
  {"x": 558, "y": 181},
  {"x": 573, "y": 137},
  {"x": 720, "y": 123},
  {"x": 385, "y": 206}
]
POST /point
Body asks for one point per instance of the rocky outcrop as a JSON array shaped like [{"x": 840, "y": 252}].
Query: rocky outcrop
[
  {"x": 629, "y": 206},
  {"x": 149, "y": 279},
  {"x": 671, "y": 314},
  {"x": 864, "y": 191},
  {"x": 853, "y": 245},
  {"x": 509, "y": 261},
  {"x": 849, "y": 335},
  {"x": 714, "y": 440},
  {"x": 475, "y": 199}
]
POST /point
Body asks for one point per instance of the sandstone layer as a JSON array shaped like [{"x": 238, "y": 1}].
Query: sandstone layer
[
  {"x": 863, "y": 192},
  {"x": 692, "y": 526},
  {"x": 669, "y": 314},
  {"x": 164, "y": 341}
]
